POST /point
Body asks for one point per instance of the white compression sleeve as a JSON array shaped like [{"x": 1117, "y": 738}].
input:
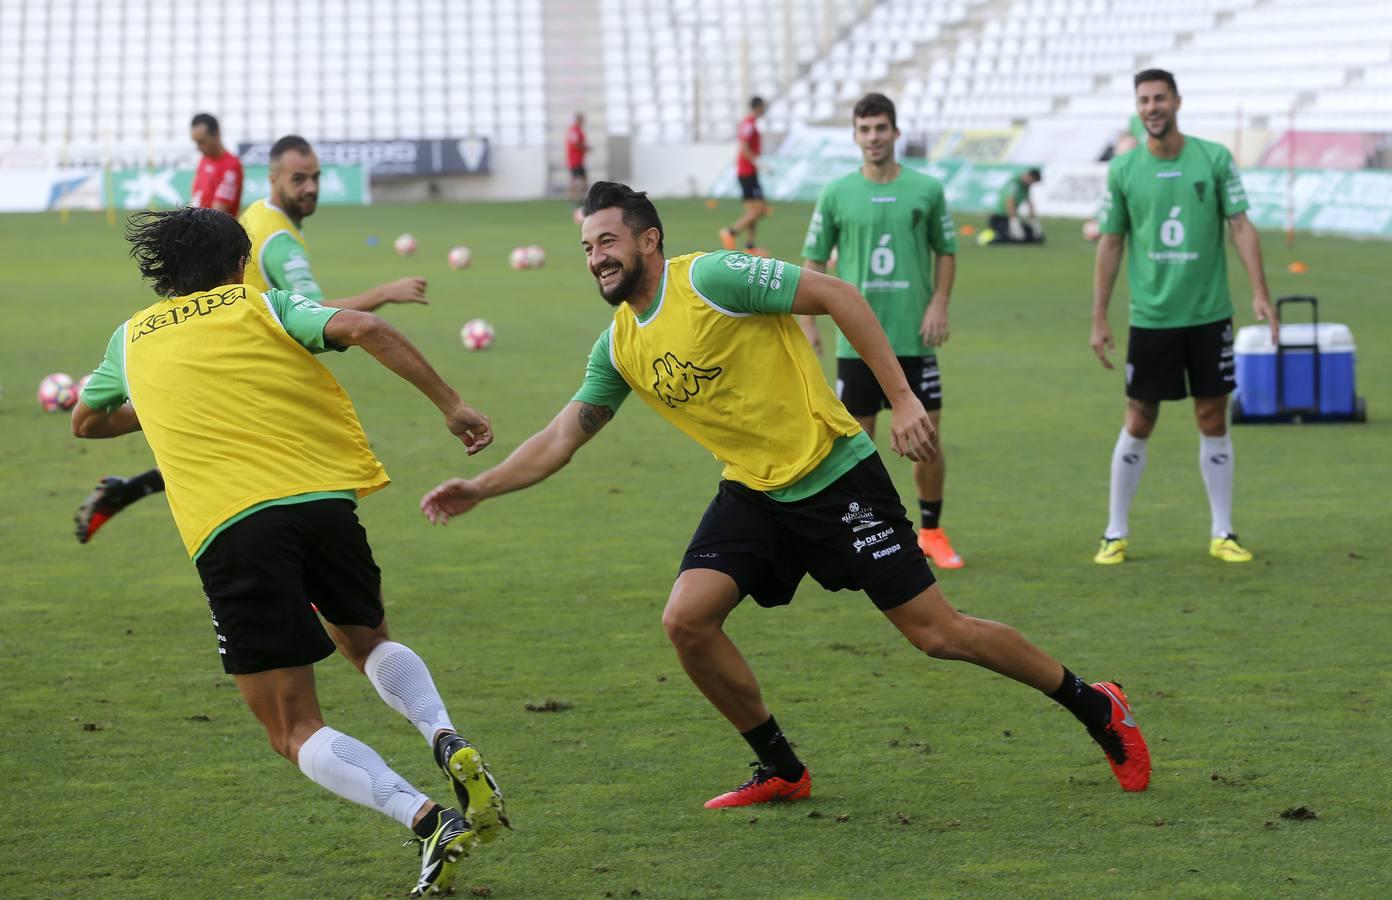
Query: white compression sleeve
[
  {"x": 354, "y": 771},
  {"x": 403, "y": 681}
]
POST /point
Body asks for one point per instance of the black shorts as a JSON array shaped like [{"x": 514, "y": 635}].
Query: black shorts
[
  {"x": 857, "y": 388},
  {"x": 262, "y": 573},
  {"x": 577, "y": 171},
  {"x": 750, "y": 188},
  {"x": 851, "y": 536},
  {"x": 1159, "y": 359}
]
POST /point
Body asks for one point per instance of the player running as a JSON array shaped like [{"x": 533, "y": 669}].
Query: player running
[
  {"x": 263, "y": 482},
  {"x": 279, "y": 260},
  {"x": 709, "y": 342},
  {"x": 887, "y": 224},
  {"x": 1169, "y": 198},
  {"x": 217, "y": 184},
  {"x": 747, "y": 171}
]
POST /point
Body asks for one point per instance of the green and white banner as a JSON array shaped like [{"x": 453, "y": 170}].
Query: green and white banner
[
  {"x": 170, "y": 187},
  {"x": 1354, "y": 203}
]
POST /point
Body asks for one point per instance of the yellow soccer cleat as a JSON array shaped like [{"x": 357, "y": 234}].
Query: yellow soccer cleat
[
  {"x": 1111, "y": 552},
  {"x": 1226, "y": 548}
]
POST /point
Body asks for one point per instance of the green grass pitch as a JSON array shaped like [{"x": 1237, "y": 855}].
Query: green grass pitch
[{"x": 131, "y": 769}]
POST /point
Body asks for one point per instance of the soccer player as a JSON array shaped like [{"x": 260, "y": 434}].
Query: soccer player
[
  {"x": 1168, "y": 199},
  {"x": 887, "y": 224},
  {"x": 1008, "y": 222},
  {"x": 218, "y": 182},
  {"x": 263, "y": 482},
  {"x": 709, "y": 342},
  {"x": 280, "y": 261},
  {"x": 576, "y": 148},
  {"x": 747, "y": 170}
]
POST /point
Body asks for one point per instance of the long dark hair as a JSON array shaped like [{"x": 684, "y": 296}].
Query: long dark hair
[{"x": 184, "y": 251}]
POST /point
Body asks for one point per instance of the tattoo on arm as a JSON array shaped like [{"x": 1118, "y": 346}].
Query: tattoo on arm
[{"x": 593, "y": 418}]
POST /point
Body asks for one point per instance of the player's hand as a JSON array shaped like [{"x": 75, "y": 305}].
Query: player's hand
[
  {"x": 814, "y": 336},
  {"x": 934, "y": 330},
  {"x": 470, "y": 426},
  {"x": 911, "y": 431},
  {"x": 1265, "y": 312},
  {"x": 1102, "y": 343},
  {"x": 404, "y": 290},
  {"x": 1016, "y": 229},
  {"x": 451, "y": 498}
]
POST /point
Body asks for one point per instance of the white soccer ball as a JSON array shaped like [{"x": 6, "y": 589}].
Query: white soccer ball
[
  {"x": 460, "y": 257},
  {"x": 1091, "y": 230},
  {"x": 536, "y": 257},
  {"x": 578, "y": 215},
  {"x": 405, "y": 245},
  {"x": 57, "y": 392},
  {"x": 476, "y": 335},
  {"x": 518, "y": 258}
]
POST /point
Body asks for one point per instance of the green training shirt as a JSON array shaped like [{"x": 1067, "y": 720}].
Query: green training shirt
[
  {"x": 1014, "y": 188},
  {"x": 1172, "y": 213},
  {"x": 287, "y": 267},
  {"x": 885, "y": 236},
  {"x": 734, "y": 291}
]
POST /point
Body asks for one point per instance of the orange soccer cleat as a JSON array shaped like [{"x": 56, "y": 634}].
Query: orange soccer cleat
[
  {"x": 1121, "y": 739},
  {"x": 765, "y": 787},
  {"x": 935, "y": 545},
  {"x": 728, "y": 240}
]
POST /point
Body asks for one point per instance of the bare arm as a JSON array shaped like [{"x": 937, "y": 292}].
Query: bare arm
[
  {"x": 88, "y": 422},
  {"x": 911, "y": 431},
  {"x": 1248, "y": 244},
  {"x": 403, "y": 290},
  {"x": 747, "y": 151},
  {"x": 390, "y": 347},
  {"x": 809, "y": 323},
  {"x": 538, "y": 458},
  {"x": 934, "y": 330},
  {"x": 1104, "y": 273},
  {"x": 222, "y": 206}
]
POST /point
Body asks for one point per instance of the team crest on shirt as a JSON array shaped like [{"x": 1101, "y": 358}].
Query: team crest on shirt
[
  {"x": 1200, "y": 187},
  {"x": 677, "y": 381},
  {"x": 738, "y": 261}
]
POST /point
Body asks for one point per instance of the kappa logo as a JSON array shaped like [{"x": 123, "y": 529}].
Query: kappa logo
[
  {"x": 677, "y": 381},
  {"x": 193, "y": 306},
  {"x": 1200, "y": 187}
]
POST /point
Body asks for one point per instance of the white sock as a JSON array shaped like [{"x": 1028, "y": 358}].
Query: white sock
[
  {"x": 1128, "y": 462},
  {"x": 403, "y": 681},
  {"x": 354, "y": 771},
  {"x": 1216, "y": 463}
]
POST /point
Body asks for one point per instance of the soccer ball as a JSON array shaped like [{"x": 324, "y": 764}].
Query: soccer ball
[
  {"x": 536, "y": 256},
  {"x": 518, "y": 258},
  {"x": 405, "y": 245},
  {"x": 476, "y": 335},
  {"x": 57, "y": 393},
  {"x": 578, "y": 215},
  {"x": 1091, "y": 230},
  {"x": 82, "y": 383},
  {"x": 460, "y": 257}
]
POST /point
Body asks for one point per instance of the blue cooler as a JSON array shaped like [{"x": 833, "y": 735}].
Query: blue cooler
[{"x": 1257, "y": 361}]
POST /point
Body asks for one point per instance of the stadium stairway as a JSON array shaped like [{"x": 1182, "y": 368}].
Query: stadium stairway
[{"x": 573, "y": 45}]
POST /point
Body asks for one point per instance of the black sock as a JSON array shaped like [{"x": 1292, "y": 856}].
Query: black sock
[
  {"x": 145, "y": 484},
  {"x": 1091, "y": 707},
  {"x": 930, "y": 512},
  {"x": 773, "y": 750},
  {"x": 429, "y": 822}
]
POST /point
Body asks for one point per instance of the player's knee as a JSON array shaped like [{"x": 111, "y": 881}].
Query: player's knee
[
  {"x": 685, "y": 630},
  {"x": 942, "y": 640}
]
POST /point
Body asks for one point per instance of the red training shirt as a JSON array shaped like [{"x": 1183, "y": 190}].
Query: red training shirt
[
  {"x": 218, "y": 179},
  {"x": 749, "y": 133},
  {"x": 575, "y": 147}
]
